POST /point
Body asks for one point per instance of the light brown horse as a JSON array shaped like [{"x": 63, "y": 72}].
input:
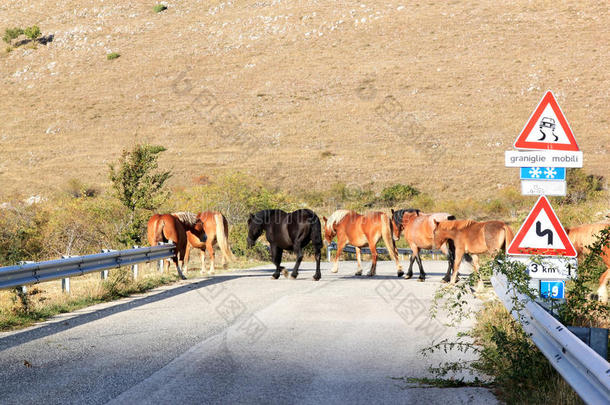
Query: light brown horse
[
  {"x": 473, "y": 238},
  {"x": 216, "y": 229},
  {"x": 584, "y": 236},
  {"x": 173, "y": 228},
  {"x": 361, "y": 230},
  {"x": 418, "y": 230}
]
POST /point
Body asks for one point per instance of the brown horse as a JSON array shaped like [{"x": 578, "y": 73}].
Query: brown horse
[
  {"x": 173, "y": 228},
  {"x": 361, "y": 230},
  {"x": 584, "y": 236},
  {"x": 216, "y": 228},
  {"x": 418, "y": 230},
  {"x": 474, "y": 238}
]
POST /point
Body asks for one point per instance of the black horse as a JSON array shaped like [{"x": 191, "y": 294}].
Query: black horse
[{"x": 287, "y": 231}]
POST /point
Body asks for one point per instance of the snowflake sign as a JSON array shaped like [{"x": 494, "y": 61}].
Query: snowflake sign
[
  {"x": 550, "y": 173},
  {"x": 535, "y": 172}
]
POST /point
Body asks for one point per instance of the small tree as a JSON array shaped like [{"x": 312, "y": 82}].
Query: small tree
[
  {"x": 139, "y": 187},
  {"x": 33, "y": 33}
]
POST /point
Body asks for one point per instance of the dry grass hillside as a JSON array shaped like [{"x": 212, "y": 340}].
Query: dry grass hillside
[{"x": 300, "y": 93}]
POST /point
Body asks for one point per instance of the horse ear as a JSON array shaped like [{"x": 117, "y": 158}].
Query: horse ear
[
  {"x": 392, "y": 209},
  {"x": 325, "y": 219},
  {"x": 435, "y": 223},
  {"x": 417, "y": 212}
]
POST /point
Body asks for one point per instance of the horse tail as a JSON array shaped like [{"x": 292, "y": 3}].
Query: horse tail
[
  {"x": 508, "y": 236},
  {"x": 316, "y": 231},
  {"x": 222, "y": 236},
  {"x": 386, "y": 234}
]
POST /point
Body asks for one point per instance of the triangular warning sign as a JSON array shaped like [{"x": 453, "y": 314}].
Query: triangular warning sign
[
  {"x": 547, "y": 128},
  {"x": 542, "y": 234}
]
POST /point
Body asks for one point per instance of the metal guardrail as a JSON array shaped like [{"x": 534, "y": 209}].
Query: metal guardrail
[
  {"x": 15, "y": 276},
  {"x": 380, "y": 250},
  {"x": 586, "y": 372}
]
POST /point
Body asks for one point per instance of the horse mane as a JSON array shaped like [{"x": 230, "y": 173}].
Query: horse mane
[
  {"x": 335, "y": 218},
  {"x": 398, "y": 214},
  {"x": 187, "y": 218},
  {"x": 264, "y": 216}
]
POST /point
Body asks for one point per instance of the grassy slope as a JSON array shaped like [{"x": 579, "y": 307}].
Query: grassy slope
[{"x": 466, "y": 77}]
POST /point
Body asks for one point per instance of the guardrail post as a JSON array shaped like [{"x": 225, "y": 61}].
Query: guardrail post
[
  {"x": 160, "y": 261},
  {"x": 104, "y": 273},
  {"x": 65, "y": 282},
  {"x": 65, "y": 285},
  {"x": 134, "y": 267},
  {"x": 328, "y": 252}
]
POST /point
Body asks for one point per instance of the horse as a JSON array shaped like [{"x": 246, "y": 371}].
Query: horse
[
  {"x": 584, "y": 236},
  {"x": 287, "y": 231},
  {"x": 359, "y": 230},
  {"x": 418, "y": 229},
  {"x": 216, "y": 230},
  {"x": 174, "y": 228},
  {"x": 474, "y": 238}
]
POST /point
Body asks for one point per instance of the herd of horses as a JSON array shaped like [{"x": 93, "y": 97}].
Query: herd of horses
[{"x": 457, "y": 239}]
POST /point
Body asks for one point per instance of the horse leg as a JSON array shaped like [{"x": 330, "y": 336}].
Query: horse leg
[
  {"x": 411, "y": 261},
  {"x": 317, "y": 255},
  {"x": 450, "y": 260},
  {"x": 422, "y": 273},
  {"x": 185, "y": 262},
  {"x": 298, "y": 250},
  {"x": 459, "y": 253},
  {"x": 475, "y": 263},
  {"x": 373, "y": 248},
  {"x": 277, "y": 259},
  {"x": 359, "y": 259},
  {"x": 210, "y": 249},
  {"x": 202, "y": 256},
  {"x": 340, "y": 245}
]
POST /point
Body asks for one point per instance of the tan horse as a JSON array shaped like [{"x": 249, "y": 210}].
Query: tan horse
[
  {"x": 584, "y": 236},
  {"x": 174, "y": 228},
  {"x": 216, "y": 229},
  {"x": 361, "y": 230},
  {"x": 473, "y": 238},
  {"x": 418, "y": 230}
]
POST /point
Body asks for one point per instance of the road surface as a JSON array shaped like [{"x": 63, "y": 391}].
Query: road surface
[{"x": 241, "y": 338}]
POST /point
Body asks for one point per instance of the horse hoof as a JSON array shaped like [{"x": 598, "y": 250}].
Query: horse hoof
[
  {"x": 275, "y": 276},
  {"x": 358, "y": 273},
  {"x": 285, "y": 273},
  {"x": 314, "y": 278},
  {"x": 421, "y": 280},
  {"x": 334, "y": 271},
  {"x": 401, "y": 273},
  {"x": 408, "y": 276},
  {"x": 293, "y": 276},
  {"x": 369, "y": 274}
]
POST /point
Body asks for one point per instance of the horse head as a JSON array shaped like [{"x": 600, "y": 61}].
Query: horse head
[
  {"x": 255, "y": 229},
  {"x": 437, "y": 237},
  {"x": 396, "y": 221},
  {"x": 329, "y": 231}
]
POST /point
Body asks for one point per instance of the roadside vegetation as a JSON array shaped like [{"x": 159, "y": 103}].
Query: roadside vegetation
[{"x": 511, "y": 362}]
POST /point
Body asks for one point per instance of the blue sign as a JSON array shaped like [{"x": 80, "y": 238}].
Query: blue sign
[
  {"x": 543, "y": 173},
  {"x": 552, "y": 289}
]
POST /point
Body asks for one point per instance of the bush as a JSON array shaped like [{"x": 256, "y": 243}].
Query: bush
[
  {"x": 11, "y": 33},
  {"x": 159, "y": 7},
  {"x": 113, "y": 55},
  {"x": 33, "y": 32},
  {"x": 398, "y": 192},
  {"x": 582, "y": 186}
]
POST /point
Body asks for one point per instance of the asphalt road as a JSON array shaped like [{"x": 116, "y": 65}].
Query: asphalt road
[{"x": 241, "y": 337}]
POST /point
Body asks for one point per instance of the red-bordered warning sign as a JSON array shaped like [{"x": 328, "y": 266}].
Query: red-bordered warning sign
[
  {"x": 542, "y": 234},
  {"x": 547, "y": 128}
]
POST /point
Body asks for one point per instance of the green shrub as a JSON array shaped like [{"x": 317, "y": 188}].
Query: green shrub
[
  {"x": 159, "y": 7},
  {"x": 33, "y": 32},
  {"x": 113, "y": 55},
  {"x": 397, "y": 193},
  {"x": 11, "y": 33},
  {"x": 582, "y": 186}
]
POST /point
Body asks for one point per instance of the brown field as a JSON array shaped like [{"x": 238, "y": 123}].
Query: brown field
[{"x": 300, "y": 93}]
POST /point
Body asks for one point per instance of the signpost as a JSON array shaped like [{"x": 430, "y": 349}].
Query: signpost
[{"x": 542, "y": 243}]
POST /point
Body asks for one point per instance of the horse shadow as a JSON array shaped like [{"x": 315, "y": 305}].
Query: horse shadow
[{"x": 58, "y": 326}]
